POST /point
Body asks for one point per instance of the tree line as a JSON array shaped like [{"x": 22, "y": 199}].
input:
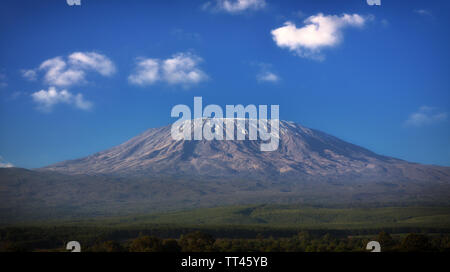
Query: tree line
[{"x": 199, "y": 241}]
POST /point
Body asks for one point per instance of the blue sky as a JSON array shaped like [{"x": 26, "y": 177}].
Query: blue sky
[{"x": 75, "y": 80}]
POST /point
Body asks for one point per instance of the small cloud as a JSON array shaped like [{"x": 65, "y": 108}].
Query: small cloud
[
  {"x": 15, "y": 95},
  {"x": 80, "y": 103},
  {"x": 234, "y": 6},
  {"x": 423, "y": 12},
  {"x": 299, "y": 14},
  {"x": 268, "y": 77},
  {"x": 180, "y": 69},
  {"x": 92, "y": 61},
  {"x": 146, "y": 72},
  {"x": 320, "y": 31},
  {"x": 47, "y": 99},
  {"x": 58, "y": 74},
  {"x": 265, "y": 74},
  {"x": 3, "y": 82},
  {"x": 426, "y": 115},
  {"x": 385, "y": 23},
  {"x": 30, "y": 74},
  {"x": 5, "y": 164},
  {"x": 184, "y": 35},
  {"x": 64, "y": 72}
]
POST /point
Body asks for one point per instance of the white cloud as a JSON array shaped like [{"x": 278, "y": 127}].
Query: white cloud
[
  {"x": 64, "y": 72},
  {"x": 3, "y": 82},
  {"x": 265, "y": 73},
  {"x": 58, "y": 74},
  {"x": 180, "y": 69},
  {"x": 29, "y": 74},
  {"x": 423, "y": 12},
  {"x": 268, "y": 77},
  {"x": 80, "y": 103},
  {"x": 146, "y": 72},
  {"x": 320, "y": 31},
  {"x": 47, "y": 99},
  {"x": 93, "y": 61},
  {"x": 235, "y": 6},
  {"x": 5, "y": 164},
  {"x": 426, "y": 115}
]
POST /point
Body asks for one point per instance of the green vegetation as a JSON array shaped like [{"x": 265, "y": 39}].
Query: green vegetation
[
  {"x": 28, "y": 196},
  {"x": 285, "y": 216},
  {"x": 244, "y": 228}
]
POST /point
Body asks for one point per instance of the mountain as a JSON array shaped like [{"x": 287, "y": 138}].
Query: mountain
[
  {"x": 152, "y": 172},
  {"x": 302, "y": 153}
]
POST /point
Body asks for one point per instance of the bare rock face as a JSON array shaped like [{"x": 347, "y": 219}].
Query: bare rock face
[{"x": 302, "y": 153}]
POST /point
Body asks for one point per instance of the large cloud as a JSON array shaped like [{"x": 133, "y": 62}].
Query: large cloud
[
  {"x": 72, "y": 70},
  {"x": 46, "y": 99},
  {"x": 235, "y": 6},
  {"x": 180, "y": 69},
  {"x": 319, "y": 31}
]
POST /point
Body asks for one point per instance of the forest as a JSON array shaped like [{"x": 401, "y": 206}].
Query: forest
[
  {"x": 248, "y": 228},
  {"x": 166, "y": 239}
]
